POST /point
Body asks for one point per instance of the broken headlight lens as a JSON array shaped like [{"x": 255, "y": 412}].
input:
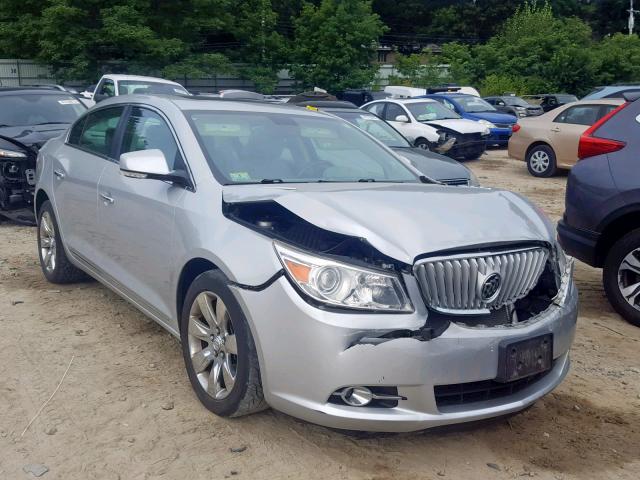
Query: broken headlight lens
[
  {"x": 564, "y": 274},
  {"x": 342, "y": 285}
]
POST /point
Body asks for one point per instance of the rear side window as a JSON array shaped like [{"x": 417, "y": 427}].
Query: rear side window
[
  {"x": 580, "y": 115},
  {"x": 146, "y": 130},
  {"x": 99, "y": 130},
  {"x": 376, "y": 109},
  {"x": 620, "y": 94}
]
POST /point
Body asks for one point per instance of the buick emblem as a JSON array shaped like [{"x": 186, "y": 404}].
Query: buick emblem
[{"x": 491, "y": 287}]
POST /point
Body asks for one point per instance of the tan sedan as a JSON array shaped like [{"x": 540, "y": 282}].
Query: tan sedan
[{"x": 550, "y": 141}]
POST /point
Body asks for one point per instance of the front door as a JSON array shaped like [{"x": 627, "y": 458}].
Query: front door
[
  {"x": 136, "y": 216},
  {"x": 77, "y": 167}
]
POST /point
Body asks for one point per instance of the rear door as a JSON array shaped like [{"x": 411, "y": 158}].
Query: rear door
[
  {"x": 77, "y": 167},
  {"x": 136, "y": 216},
  {"x": 567, "y": 128}
]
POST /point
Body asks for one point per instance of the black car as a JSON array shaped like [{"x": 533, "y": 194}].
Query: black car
[
  {"x": 433, "y": 165},
  {"x": 515, "y": 106},
  {"x": 601, "y": 222},
  {"x": 549, "y": 101},
  {"x": 28, "y": 118}
]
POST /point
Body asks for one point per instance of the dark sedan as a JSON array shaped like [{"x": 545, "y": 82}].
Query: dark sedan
[
  {"x": 28, "y": 118},
  {"x": 433, "y": 165},
  {"x": 514, "y": 106}
]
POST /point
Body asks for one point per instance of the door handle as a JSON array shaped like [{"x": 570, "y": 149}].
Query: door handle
[
  {"x": 59, "y": 174},
  {"x": 106, "y": 198},
  {"x": 555, "y": 129}
]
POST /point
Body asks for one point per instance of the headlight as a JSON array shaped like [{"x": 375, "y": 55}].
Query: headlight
[
  {"x": 341, "y": 285},
  {"x": 487, "y": 123},
  {"x": 12, "y": 154}
]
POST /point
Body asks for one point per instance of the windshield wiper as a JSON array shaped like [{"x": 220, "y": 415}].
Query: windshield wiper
[
  {"x": 425, "y": 179},
  {"x": 366, "y": 180},
  {"x": 49, "y": 123},
  {"x": 271, "y": 180}
]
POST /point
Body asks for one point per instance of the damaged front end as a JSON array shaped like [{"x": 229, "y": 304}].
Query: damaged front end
[{"x": 17, "y": 180}]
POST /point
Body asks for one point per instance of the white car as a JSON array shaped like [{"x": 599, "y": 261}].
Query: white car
[
  {"x": 115, "y": 85},
  {"x": 427, "y": 124}
]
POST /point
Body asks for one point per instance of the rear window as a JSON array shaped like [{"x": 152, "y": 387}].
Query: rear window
[
  {"x": 39, "y": 109},
  {"x": 135, "y": 87}
]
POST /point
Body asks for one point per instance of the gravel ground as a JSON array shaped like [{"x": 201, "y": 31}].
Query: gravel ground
[{"x": 126, "y": 410}]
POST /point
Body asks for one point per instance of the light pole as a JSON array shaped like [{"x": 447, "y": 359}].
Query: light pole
[{"x": 632, "y": 17}]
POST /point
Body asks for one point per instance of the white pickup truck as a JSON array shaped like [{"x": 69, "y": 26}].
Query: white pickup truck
[{"x": 114, "y": 85}]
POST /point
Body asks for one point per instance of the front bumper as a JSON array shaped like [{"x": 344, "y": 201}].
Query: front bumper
[
  {"x": 307, "y": 353},
  {"x": 499, "y": 136}
]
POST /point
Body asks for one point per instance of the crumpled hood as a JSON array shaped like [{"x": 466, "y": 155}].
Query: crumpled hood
[
  {"x": 405, "y": 221},
  {"x": 36, "y": 135},
  {"x": 460, "y": 125}
]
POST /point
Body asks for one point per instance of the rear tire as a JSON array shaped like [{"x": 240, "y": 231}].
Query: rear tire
[
  {"x": 541, "y": 161},
  {"x": 621, "y": 277},
  {"x": 218, "y": 349},
  {"x": 55, "y": 265}
]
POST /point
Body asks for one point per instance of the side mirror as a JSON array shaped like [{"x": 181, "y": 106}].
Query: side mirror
[
  {"x": 402, "y": 118},
  {"x": 151, "y": 164},
  {"x": 97, "y": 97},
  {"x": 502, "y": 104}
]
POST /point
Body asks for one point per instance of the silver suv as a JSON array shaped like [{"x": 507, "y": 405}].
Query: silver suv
[{"x": 304, "y": 266}]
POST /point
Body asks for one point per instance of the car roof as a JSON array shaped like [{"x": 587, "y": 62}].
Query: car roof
[
  {"x": 33, "y": 90},
  {"x": 140, "y": 78},
  {"x": 600, "y": 101},
  {"x": 404, "y": 100},
  {"x": 185, "y": 103}
]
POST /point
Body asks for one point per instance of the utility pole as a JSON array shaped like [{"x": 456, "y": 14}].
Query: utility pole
[{"x": 632, "y": 17}]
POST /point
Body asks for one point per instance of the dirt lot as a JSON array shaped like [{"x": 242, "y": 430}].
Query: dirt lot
[{"x": 126, "y": 411}]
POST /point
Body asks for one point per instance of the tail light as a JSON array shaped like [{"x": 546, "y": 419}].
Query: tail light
[
  {"x": 591, "y": 146},
  {"x": 515, "y": 128}
]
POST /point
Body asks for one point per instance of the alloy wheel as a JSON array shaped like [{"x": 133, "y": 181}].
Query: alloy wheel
[
  {"x": 629, "y": 278},
  {"x": 47, "y": 234},
  {"x": 212, "y": 345},
  {"x": 540, "y": 161}
]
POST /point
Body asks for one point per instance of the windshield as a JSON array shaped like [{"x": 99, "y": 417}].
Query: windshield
[
  {"x": 37, "y": 109},
  {"x": 129, "y": 87},
  {"x": 515, "y": 102},
  {"x": 427, "y": 111},
  {"x": 260, "y": 147},
  {"x": 474, "y": 104},
  {"x": 376, "y": 127}
]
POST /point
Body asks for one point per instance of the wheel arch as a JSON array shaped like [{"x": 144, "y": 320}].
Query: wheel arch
[
  {"x": 613, "y": 229},
  {"x": 41, "y": 197},
  {"x": 190, "y": 271},
  {"x": 538, "y": 143}
]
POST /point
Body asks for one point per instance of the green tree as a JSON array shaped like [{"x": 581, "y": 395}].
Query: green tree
[
  {"x": 418, "y": 70},
  {"x": 334, "y": 44}
]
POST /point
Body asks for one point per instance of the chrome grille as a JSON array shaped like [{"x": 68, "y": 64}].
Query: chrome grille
[{"x": 455, "y": 283}]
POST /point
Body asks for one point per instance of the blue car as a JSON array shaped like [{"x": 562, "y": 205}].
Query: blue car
[{"x": 475, "y": 108}]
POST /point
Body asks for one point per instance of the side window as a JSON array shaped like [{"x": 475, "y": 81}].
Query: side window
[
  {"x": 107, "y": 88},
  {"x": 448, "y": 104},
  {"x": 606, "y": 109},
  {"x": 579, "y": 115},
  {"x": 394, "y": 110},
  {"x": 100, "y": 128},
  {"x": 146, "y": 130},
  {"x": 491, "y": 101},
  {"x": 620, "y": 94},
  {"x": 76, "y": 131},
  {"x": 376, "y": 109}
]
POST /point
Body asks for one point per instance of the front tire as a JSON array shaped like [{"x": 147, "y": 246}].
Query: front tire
[
  {"x": 218, "y": 349},
  {"x": 541, "y": 161},
  {"x": 55, "y": 265},
  {"x": 422, "y": 143},
  {"x": 621, "y": 277}
]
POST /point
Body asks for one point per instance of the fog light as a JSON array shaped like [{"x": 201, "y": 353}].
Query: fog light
[{"x": 357, "y": 396}]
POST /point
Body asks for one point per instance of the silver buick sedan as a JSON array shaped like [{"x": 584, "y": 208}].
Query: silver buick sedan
[{"x": 304, "y": 266}]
